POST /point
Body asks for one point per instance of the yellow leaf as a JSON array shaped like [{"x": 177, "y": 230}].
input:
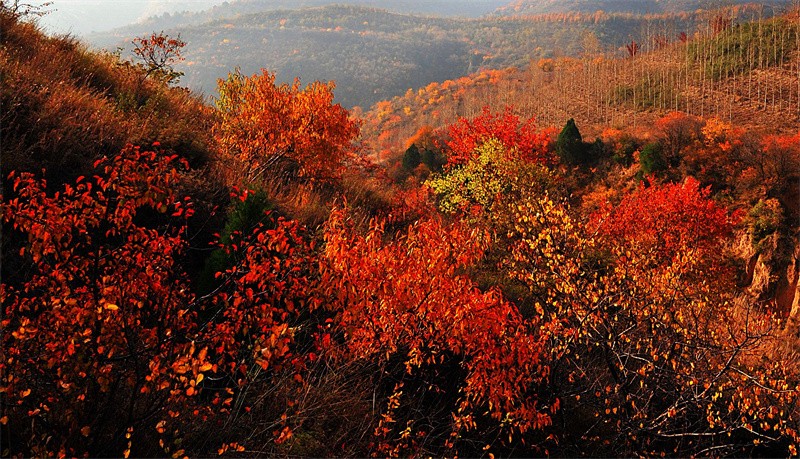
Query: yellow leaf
[{"x": 111, "y": 307}]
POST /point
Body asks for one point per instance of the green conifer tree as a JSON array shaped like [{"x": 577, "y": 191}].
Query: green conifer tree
[
  {"x": 411, "y": 158},
  {"x": 652, "y": 159},
  {"x": 570, "y": 146}
]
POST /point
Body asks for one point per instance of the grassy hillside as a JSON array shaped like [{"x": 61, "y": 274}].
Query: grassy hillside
[
  {"x": 65, "y": 106},
  {"x": 376, "y": 54}
]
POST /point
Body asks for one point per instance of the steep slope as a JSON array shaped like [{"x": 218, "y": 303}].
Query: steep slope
[
  {"x": 64, "y": 106},
  {"x": 746, "y": 75}
]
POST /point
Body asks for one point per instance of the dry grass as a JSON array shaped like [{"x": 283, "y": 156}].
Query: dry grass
[{"x": 65, "y": 106}]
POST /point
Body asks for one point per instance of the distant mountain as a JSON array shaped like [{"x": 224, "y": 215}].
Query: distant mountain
[
  {"x": 527, "y": 7},
  {"x": 375, "y": 54},
  {"x": 81, "y": 17},
  {"x": 232, "y": 9}
]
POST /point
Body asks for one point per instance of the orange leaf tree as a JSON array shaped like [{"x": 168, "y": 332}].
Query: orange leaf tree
[
  {"x": 679, "y": 131},
  {"x": 262, "y": 124}
]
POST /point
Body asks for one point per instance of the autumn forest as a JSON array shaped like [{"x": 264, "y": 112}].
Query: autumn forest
[{"x": 557, "y": 229}]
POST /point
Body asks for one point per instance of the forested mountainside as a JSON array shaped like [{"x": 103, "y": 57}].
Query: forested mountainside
[
  {"x": 242, "y": 278},
  {"x": 230, "y": 9},
  {"x": 533, "y": 7},
  {"x": 744, "y": 73},
  {"x": 374, "y": 54}
]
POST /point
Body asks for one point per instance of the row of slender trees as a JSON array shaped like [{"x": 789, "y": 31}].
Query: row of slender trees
[
  {"x": 728, "y": 66},
  {"x": 740, "y": 65}
]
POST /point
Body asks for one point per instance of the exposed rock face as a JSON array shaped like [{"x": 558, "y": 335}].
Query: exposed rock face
[
  {"x": 772, "y": 274},
  {"x": 788, "y": 296}
]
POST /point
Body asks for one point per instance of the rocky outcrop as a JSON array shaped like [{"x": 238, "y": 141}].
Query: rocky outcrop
[
  {"x": 788, "y": 295},
  {"x": 771, "y": 274}
]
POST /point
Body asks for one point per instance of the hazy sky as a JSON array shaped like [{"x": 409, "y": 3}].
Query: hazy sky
[{"x": 80, "y": 17}]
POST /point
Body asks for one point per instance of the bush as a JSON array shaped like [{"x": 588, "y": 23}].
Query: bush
[
  {"x": 597, "y": 150},
  {"x": 411, "y": 158},
  {"x": 625, "y": 149},
  {"x": 570, "y": 146},
  {"x": 764, "y": 219},
  {"x": 110, "y": 345},
  {"x": 243, "y": 217},
  {"x": 652, "y": 159}
]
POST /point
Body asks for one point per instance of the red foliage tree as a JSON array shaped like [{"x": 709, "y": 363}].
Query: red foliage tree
[
  {"x": 406, "y": 301},
  {"x": 778, "y": 163},
  {"x": 721, "y": 21},
  {"x": 104, "y": 308},
  {"x": 666, "y": 220},
  {"x": 158, "y": 53},
  {"x": 633, "y": 48},
  {"x": 105, "y": 348},
  {"x": 518, "y": 137}
]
